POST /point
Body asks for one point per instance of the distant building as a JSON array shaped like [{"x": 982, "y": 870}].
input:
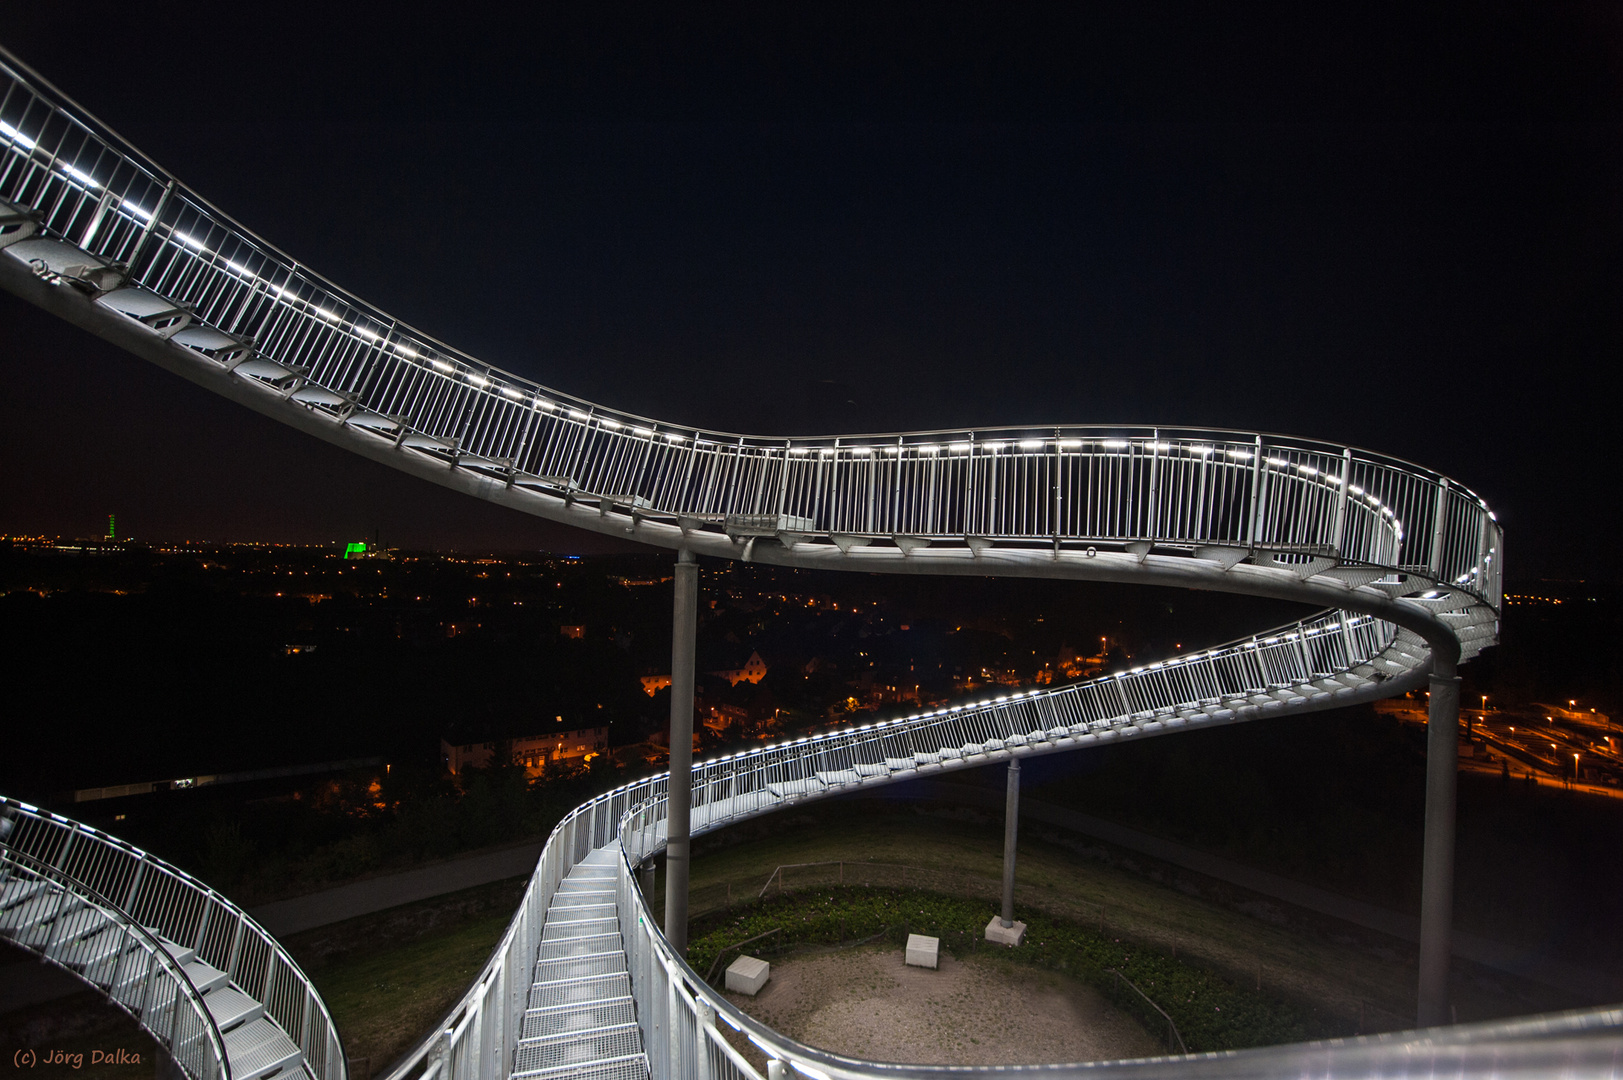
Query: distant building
[
  {"x": 531, "y": 751},
  {"x": 721, "y": 717},
  {"x": 752, "y": 671},
  {"x": 577, "y": 631}
]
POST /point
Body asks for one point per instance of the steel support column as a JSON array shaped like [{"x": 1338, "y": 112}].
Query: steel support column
[
  {"x": 1437, "y": 874},
  {"x": 1011, "y": 832},
  {"x": 684, "y": 632}
]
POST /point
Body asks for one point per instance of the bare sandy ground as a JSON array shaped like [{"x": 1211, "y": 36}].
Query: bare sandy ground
[{"x": 981, "y": 1011}]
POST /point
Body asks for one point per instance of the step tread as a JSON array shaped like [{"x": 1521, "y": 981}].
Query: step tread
[
  {"x": 259, "y": 1047},
  {"x": 230, "y": 1007}
]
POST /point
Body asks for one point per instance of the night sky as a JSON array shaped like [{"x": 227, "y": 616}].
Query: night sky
[{"x": 1400, "y": 231}]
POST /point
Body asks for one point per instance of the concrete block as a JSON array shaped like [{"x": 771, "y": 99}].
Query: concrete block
[
  {"x": 999, "y": 934},
  {"x": 923, "y": 951},
  {"x": 747, "y": 975}
]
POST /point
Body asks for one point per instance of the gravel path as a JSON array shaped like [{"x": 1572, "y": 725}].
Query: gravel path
[{"x": 980, "y": 1011}]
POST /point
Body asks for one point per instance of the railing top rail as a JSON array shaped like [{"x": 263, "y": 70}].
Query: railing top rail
[
  {"x": 18, "y": 809},
  {"x": 83, "y": 117},
  {"x": 639, "y": 795},
  {"x": 1096, "y": 483},
  {"x": 129, "y": 925},
  {"x": 457, "y": 1017},
  {"x": 129, "y": 850},
  {"x": 122, "y": 846}
]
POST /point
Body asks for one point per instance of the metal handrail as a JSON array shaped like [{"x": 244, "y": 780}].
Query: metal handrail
[
  {"x": 108, "y": 141},
  {"x": 682, "y": 1017},
  {"x": 163, "y": 900},
  {"x": 333, "y": 355},
  {"x": 182, "y": 1046},
  {"x": 736, "y": 787}
]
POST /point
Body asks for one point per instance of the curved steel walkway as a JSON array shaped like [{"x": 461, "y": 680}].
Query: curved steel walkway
[
  {"x": 1407, "y": 564},
  {"x": 218, "y": 994}
]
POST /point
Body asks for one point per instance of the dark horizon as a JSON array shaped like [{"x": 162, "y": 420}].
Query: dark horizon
[{"x": 1402, "y": 235}]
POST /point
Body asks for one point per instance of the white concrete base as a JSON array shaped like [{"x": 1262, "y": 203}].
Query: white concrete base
[
  {"x": 999, "y": 934},
  {"x": 923, "y": 951},
  {"x": 747, "y": 975}
]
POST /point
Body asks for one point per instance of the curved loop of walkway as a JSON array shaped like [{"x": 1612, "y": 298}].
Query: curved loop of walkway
[
  {"x": 97, "y": 233},
  {"x": 1407, "y": 563},
  {"x": 219, "y": 995}
]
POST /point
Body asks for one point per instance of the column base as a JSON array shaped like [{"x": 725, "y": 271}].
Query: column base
[{"x": 999, "y": 934}]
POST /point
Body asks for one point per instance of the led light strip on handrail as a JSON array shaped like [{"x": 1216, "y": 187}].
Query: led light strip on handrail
[
  {"x": 200, "y": 1059},
  {"x": 1291, "y": 504}
]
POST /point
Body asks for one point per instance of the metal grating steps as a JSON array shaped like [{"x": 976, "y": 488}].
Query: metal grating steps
[
  {"x": 565, "y": 948},
  {"x": 578, "y": 1048},
  {"x": 231, "y": 1007},
  {"x": 89, "y": 940},
  {"x": 259, "y": 1048},
  {"x": 563, "y": 1019},
  {"x": 580, "y": 991},
  {"x": 558, "y": 929},
  {"x": 627, "y": 1068},
  {"x": 581, "y": 1021}
]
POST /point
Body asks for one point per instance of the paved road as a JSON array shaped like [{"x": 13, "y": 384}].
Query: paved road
[{"x": 391, "y": 890}]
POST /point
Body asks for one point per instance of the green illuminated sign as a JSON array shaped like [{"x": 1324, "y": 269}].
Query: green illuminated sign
[{"x": 357, "y": 548}]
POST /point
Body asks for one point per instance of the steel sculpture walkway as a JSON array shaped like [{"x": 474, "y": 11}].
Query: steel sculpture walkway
[
  {"x": 221, "y": 997},
  {"x": 581, "y": 1020},
  {"x": 1407, "y": 563}
]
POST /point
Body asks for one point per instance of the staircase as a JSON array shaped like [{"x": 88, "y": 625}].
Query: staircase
[
  {"x": 91, "y": 941},
  {"x": 581, "y": 1021}
]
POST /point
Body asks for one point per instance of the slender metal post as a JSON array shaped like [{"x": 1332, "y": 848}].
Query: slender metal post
[
  {"x": 1338, "y": 527},
  {"x": 1437, "y": 875},
  {"x": 1251, "y": 527},
  {"x": 1439, "y": 529},
  {"x": 702, "y": 1038},
  {"x": 152, "y": 223},
  {"x": 1011, "y": 831},
  {"x": 679, "y": 798}
]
